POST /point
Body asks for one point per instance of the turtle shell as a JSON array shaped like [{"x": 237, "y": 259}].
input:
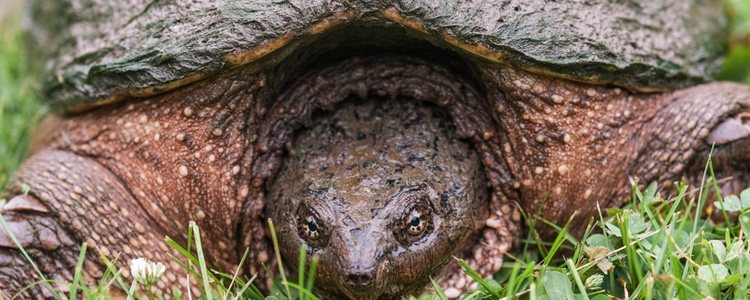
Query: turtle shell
[{"x": 104, "y": 51}]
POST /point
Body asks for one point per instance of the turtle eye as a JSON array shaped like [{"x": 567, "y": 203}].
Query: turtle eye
[
  {"x": 414, "y": 225},
  {"x": 310, "y": 227}
]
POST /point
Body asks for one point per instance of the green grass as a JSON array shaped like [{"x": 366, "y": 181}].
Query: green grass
[
  {"x": 737, "y": 63},
  {"x": 19, "y": 105},
  {"x": 657, "y": 247}
]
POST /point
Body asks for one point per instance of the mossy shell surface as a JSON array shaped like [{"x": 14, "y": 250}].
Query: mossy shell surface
[{"x": 105, "y": 51}]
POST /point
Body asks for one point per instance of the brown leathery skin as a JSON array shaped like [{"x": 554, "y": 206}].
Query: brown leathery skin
[
  {"x": 692, "y": 115},
  {"x": 204, "y": 152},
  {"x": 564, "y": 137},
  {"x": 76, "y": 199},
  {"x": 169, "y": 165}
]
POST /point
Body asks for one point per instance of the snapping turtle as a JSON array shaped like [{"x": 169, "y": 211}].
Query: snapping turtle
[{"x": 387, "y": 136}]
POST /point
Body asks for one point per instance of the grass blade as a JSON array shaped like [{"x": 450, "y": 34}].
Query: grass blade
[
  {"x": 313, "y": 268},
  {"x": 301, "y": 269},
  {"x": 474, "y": 275},
  {"x": 577, "y": 278},
  {"x": 77, "y": 273},
  {"x": 278, "y": 257},
  {"x": 438, "y": 290},
  {"x": 208, "y": 294}
]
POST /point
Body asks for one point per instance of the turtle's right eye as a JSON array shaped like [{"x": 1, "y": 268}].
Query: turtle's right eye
[{"x": 310, "y": 228}]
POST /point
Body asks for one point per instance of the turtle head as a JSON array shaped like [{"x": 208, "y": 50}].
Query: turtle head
[
  {"x": 387, "y": 242},
  {"x": 382, "y": 194}
]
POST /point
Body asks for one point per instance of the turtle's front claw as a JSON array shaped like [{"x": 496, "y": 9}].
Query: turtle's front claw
[
  {"x": 729, "y": 151},
  {"x": 29, "y": 225},
  {"x": 731, "y": 130},
  {"x": 731, "y": 146}
]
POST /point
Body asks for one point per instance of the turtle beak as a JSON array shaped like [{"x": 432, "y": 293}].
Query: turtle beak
[{"x": 360, "y": 265}]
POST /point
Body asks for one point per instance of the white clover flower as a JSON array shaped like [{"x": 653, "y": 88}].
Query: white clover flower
[
  {"x": 146, "y": 272},
  {"x": 594, "y": 282}
]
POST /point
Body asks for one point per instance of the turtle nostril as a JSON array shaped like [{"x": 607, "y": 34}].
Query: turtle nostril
[{"x": 359, "y": 279}]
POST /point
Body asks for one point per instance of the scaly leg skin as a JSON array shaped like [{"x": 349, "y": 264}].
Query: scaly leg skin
[
  {"x": 730, "y": 158},
  {"x": 571, "y": 146},
  {"x": 72, "y": 199},
  {"x": 36, "y": 229},
  {"x": 123, "y": 178},
  {"x": 676, "y": 143}
]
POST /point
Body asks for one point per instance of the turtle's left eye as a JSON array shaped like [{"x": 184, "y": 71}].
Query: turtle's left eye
[{"x": 414, "y": 225}]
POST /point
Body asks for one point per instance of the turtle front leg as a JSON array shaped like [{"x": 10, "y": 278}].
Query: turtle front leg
[
  {"x": 73, "y": 199},
  {"x": 676, "y": 143},
  {"x": 122, "y": 178},
  {"x": 42, "y": 236},
  {"x": 730, "y": 156},
  {"x": 572, "y": 147}
]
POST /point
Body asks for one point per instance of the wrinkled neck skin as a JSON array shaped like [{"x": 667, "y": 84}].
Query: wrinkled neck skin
[{"x": 205, "y": 152}]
